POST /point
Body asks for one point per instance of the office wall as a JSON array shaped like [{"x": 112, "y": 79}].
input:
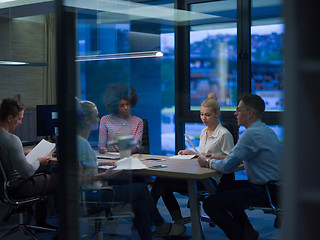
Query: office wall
[{"x": 22, "y": 41}]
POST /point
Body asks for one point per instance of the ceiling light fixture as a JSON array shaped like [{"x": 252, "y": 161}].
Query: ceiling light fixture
[
  {"x": 119, "y": 56},
  {"x": 15, "y": 63}
]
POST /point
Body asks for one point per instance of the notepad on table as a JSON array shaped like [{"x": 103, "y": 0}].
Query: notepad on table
[{"x": 182, "y": 157}]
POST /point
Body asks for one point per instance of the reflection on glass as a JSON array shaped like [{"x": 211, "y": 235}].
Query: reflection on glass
[
  {"x": 213, "y": 55},
  {"x": 267, "y": 35}
]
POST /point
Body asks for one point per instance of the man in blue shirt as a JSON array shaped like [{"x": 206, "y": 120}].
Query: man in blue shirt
[{"x": 260, "y": 151}]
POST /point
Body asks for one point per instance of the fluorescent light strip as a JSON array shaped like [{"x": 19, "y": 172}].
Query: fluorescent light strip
[
  {"x": 13, "y": 63},
  {"x": 119, "y": 56}
]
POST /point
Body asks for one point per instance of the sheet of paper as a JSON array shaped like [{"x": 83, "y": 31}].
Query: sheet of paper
[
  {"x": 43, "y": 149},
  {"x": 128, "y": 163},
  {"x": 189, "y": 140},
  {"x": 182, "y": 156},
  {"x": 109, "y": 155}
]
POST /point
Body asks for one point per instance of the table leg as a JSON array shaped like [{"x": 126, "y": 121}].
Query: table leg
[{"x": 197, "y": 232}]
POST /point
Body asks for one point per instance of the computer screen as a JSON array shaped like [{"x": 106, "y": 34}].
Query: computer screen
[{"x": 47, "y": 118}]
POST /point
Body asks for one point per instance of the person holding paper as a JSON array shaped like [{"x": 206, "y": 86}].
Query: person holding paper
[
  {"x": 260, "y": 152},
  {"x": 119, "y": 99},
  {"x": 17, "y": 166},
  {"x": 215, "y": 140},
  {"x": 95, "y": 182}
]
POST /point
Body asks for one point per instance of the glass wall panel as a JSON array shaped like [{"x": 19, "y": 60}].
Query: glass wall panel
[
  {"x": 213, "y": 54},
  {"x": 267, "y": 69},
  {"x": 125, "y": 44},
  {"x": 125, "y": 60}
]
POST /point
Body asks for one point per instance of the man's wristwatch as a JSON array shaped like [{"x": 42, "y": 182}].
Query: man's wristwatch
[{"x": 207, "y": 163}]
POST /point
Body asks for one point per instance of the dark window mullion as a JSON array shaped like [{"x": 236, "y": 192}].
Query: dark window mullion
[
  {"x": 243, "y": 47},
  {"x": 182, "y": 75}
]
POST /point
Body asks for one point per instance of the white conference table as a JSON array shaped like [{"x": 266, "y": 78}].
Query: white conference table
[{"x": 187, "y": 169}]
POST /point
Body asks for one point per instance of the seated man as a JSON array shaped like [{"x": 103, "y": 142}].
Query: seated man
[
  {"x": 16, "y": 164},
  {"x": 260, "y": 151}
]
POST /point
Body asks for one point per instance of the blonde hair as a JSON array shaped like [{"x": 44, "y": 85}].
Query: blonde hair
[
  {"x": 86, "y": 109},
  {"x": 212, "y": 103}
]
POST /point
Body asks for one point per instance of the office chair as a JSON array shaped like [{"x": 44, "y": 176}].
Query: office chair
[
  {"x": 144, "y": 148},
  {"x": 272, "y": 205},
  {"x": 19, "y": 206},
  {"x": 101, "y": 213}
]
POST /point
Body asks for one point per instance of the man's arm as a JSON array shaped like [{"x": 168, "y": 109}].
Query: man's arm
[
  {"x": 243, "y": 150},
  {"x": 19, "y": 160}
]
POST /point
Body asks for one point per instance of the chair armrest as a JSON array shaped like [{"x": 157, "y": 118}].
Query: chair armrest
[{"x": 15, "y": 182}]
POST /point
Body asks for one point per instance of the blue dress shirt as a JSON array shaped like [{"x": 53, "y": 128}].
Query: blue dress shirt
[{"x": 259, "y": 150}]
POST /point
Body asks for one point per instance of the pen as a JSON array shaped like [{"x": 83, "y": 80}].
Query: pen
[{"x": 158, "y": 166}]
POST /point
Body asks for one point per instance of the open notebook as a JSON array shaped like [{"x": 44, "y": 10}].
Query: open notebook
[{"x": 191, "y": 143}]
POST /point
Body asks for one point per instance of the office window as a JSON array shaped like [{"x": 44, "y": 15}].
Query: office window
[
  {"x": 213, "y": 54},
  {"x": 151, "y": 77},
  {"x": 193, "y": 130},
  {"x": 267, "y": 69}
]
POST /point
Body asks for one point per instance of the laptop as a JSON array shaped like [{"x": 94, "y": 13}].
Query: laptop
[{"x": 109, "y": 155}]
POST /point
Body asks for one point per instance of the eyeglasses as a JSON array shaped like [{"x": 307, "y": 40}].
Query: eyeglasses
[{"x": 242, "y": 109}]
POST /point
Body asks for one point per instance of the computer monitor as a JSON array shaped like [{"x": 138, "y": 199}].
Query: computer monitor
[{"x": 47, "y": 120}]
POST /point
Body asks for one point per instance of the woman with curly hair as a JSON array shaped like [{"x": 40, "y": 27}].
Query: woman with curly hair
[{"x": 119, "y": 98}]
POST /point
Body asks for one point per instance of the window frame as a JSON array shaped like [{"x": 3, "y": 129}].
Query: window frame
[{"x": 183, "y": 114}]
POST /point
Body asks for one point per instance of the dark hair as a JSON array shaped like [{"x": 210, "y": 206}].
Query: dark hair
[
  {"x": 10, "y": 106},
  {"x": 116, "y": 92},
  {"x": 255, "y": 102}
]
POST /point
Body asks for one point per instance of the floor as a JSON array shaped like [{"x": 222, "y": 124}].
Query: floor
[{"x": 263, "y": 223}]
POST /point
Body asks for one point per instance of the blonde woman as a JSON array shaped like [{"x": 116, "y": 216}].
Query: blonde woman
[
  {"x": 215, "y": 140},
  {"x": 143, "y": 206}
]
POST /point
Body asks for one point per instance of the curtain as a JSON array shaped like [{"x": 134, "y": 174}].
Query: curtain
[{"x": 49, "y": 79}]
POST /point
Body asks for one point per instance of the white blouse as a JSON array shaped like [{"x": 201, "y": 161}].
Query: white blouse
[{"x": 220, "y": 142}]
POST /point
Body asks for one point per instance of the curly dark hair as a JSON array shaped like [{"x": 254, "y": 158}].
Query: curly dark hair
[
  {"x": 10, "y": 106},
  {"x": 115, "y": 92}
]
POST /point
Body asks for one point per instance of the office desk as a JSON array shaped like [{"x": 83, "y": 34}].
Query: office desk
[{"x": 187, "y": 169}]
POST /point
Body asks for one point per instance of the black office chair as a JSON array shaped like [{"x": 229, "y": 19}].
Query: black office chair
[
  {"x": 234, "y": 130},
  {"x": 19, "y": 206},
  {"x": 101, "y": 213},
  {"x": 272, "y": 206},
  {"x": 144, "y": 147}
]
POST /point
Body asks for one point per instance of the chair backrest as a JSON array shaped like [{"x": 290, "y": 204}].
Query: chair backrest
[
  {"x": 3, "y": 179},
  {"x": 144, "y": 148},
  {"x": 233, "y": 128}
]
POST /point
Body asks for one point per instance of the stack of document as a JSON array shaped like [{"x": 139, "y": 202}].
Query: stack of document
[
  {"x": 128, "y": 163},
  {"x": 183, "y": 157}
]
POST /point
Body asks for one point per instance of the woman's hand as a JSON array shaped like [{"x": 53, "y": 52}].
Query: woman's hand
[
  {"x": 186, "y": 152},
  {"x": 207, "y": 155},
  {"x": 111, "y": 173},
  {"x": 103, "y": 150},
  {"x": 43, "y": 160}
]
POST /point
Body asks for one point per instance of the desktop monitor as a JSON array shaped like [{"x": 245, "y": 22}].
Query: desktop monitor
[{"x": 47, "y": 120}]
